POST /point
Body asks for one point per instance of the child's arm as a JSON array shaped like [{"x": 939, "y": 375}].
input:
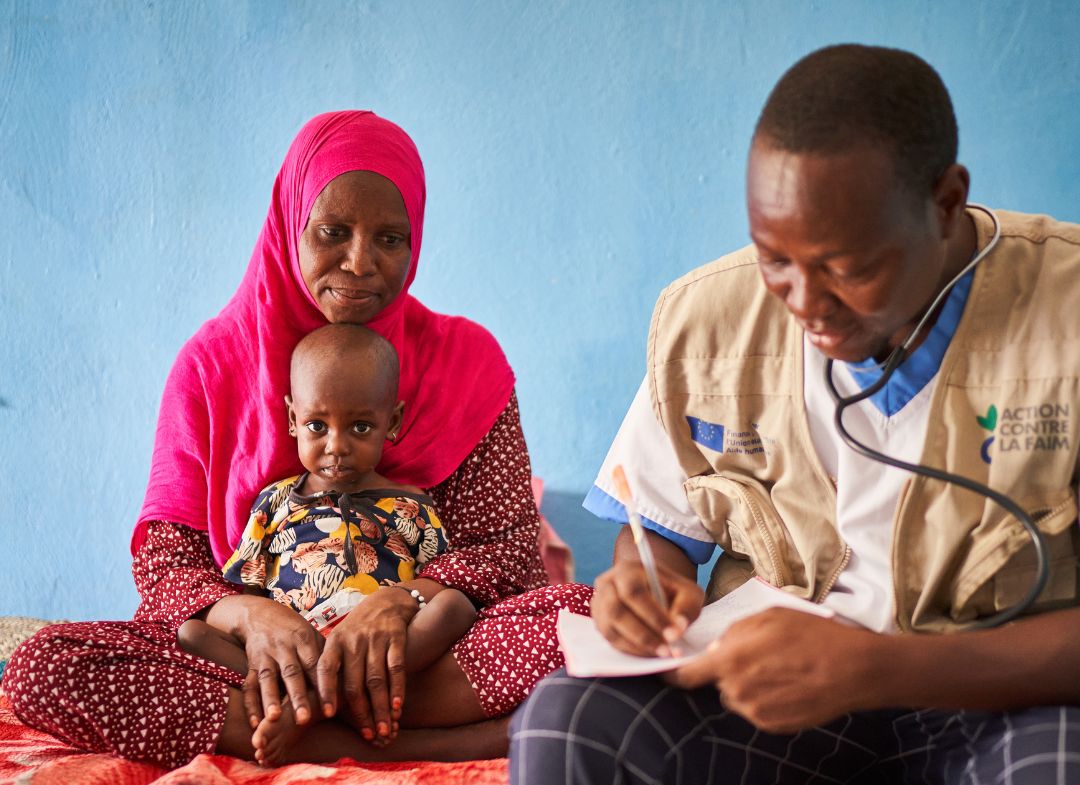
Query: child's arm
[
  {"x": 435, "y": 629},
  {"x": 199, "y": 638}
]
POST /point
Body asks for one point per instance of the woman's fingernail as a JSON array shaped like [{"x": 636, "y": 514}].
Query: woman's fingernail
[
  {"x": 253, "y": 721},
  {"x": 396, "y": 703},
  {"x": 383, "y": 729},
  {"x": 367, "y": 733},
  {"x": 663, "y": 651},
  {"x": 328, "y": 709},
  {"x": 302, "y": 716}
]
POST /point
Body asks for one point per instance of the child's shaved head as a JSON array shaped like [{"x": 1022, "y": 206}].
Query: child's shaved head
[
  {"x": 340, "y": 354},
  {"x": 343, "y": 406}
]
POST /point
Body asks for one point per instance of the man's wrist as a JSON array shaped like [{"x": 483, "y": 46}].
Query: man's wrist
[{"x": 883, "y": 664}]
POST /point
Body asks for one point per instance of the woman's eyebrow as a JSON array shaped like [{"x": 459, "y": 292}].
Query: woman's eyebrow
[{"x": 349, "y": 214}]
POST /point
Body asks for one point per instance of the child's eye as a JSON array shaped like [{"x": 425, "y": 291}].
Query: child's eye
[
  {"x": 362, "y": 427},
  {"x": 316, "y": 426}
]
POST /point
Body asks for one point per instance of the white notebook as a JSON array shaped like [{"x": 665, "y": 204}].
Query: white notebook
[{"x": 589, "y": 654}]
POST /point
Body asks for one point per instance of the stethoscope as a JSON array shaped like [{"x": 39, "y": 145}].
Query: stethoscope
[{"x": 894, "y": 360}]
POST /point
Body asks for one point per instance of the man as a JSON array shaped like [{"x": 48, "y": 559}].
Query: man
[{"x": 859, "y": 219}]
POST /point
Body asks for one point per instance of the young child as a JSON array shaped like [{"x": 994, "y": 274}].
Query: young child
[{"x": 324, "y": 540}]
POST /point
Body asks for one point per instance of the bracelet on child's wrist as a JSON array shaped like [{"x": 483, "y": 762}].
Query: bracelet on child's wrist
[{"x": 414, "y": 594}]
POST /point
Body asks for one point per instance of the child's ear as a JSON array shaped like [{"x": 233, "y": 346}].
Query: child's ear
[
  {"x": 292, "y": 415},
  {"x": 396, "y": 418}
]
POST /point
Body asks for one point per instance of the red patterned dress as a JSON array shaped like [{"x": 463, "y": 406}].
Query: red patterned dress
[{"x": 126, "y": 688}]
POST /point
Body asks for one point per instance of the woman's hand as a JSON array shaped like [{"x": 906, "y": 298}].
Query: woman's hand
[
  {"x": 628, "y": 615},
  {"x": 365, "y": 656},
  {"x": 785, "y": 671},
  {"x": 280, "y": 646}
]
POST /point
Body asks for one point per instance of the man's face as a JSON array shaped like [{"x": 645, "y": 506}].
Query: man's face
[{"x": 853, "y": 256}]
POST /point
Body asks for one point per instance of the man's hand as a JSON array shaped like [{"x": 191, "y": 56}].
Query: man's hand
[
  {"x": 623, "y": 605},
  {"x": 785, "y": 671}
]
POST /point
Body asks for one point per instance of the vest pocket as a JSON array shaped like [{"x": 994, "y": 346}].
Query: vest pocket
[
  {"x": 741, "y": 517},
  {"x": 1007, "y": 563}
]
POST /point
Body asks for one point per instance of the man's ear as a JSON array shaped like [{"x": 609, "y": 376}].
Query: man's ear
[
  {"x": 292, "y": 415},
  {"x": 396, "y": 418},
  {"x": 950, "y": 198}
]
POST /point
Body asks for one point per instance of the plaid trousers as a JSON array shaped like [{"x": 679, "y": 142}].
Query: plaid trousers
[{"x": 639, "y": 730}]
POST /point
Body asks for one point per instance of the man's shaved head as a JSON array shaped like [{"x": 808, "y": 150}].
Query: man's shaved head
[{"x": 845, "y": 96}]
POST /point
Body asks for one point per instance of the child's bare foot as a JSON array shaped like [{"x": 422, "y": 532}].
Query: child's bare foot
[{"x": 273, "y": 740}]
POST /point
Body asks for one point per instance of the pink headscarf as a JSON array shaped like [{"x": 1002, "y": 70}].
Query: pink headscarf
[{"x": 222, "y": 433}]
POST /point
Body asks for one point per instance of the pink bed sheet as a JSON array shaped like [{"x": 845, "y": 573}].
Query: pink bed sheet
[{"x": 34, "y": 758}]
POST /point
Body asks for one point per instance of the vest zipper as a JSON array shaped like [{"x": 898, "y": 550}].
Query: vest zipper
[
  {"x": 835, "y": 576},
  {"x": 803, "y": 424},
  {"x": 763, "y": 530},
  {"x": 901, "y": 504}
]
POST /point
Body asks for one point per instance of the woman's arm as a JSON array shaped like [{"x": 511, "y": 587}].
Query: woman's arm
[
  {"x": 491, "y": 519},
  {"x": 178, "y": 579},
  {"x": 175, "y": 574}
]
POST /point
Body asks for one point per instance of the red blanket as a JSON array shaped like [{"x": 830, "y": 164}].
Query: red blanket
[{"x": 35, "y": 758}]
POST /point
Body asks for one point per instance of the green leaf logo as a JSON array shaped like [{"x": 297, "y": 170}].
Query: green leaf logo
[{"x": 989, "y": 422}]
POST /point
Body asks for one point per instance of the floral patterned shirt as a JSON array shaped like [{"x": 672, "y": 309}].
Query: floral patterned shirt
[{"x": 486, "y": 507}]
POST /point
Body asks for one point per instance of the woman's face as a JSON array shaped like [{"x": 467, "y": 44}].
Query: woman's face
[{"x": 356, "y": 248}]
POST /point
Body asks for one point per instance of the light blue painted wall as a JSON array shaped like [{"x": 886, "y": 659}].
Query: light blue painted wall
[{"x": 579, "y": 156}]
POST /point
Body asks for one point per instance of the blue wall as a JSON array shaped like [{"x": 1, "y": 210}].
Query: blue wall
[{"x": 579, "y": 156}]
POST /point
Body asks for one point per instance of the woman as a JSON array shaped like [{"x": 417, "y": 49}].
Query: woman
[{"x": 340, "y": 244}]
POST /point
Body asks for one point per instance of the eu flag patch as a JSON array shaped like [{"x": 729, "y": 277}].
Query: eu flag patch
[{"x": 707, "y": 434}]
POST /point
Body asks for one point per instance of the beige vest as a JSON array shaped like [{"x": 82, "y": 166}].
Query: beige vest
[{"x": 725, "y": 352}]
